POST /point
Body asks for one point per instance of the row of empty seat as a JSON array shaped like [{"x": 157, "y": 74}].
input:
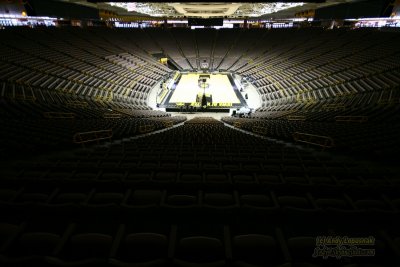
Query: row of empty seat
[
  {"x": 235, "y": 194},
  {"x": 36, "y": 126},
  {"x": 132, "y": 243},
  {"x": 71, "y": 62}
]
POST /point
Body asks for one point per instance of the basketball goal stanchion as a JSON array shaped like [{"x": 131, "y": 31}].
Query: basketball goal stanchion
[{"x": 204, "y": 84}]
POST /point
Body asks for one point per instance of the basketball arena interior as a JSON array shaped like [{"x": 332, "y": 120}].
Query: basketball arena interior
[{"x": 247, "y": 134}]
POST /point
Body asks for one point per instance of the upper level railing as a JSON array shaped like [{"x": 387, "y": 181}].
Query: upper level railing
[
  {"x": 351, "y": 118},
  {"x": 312, "y": 139},
  {"x": 59, "y": 115},
  {"x": 93, "y": 136}
]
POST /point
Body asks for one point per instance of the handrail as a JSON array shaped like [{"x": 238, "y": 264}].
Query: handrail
[
  {"x": 334, "y": 107},
  {"x": 351, "y": 118},
  {"x": 260, "y": 130},
  {"x": 296, "y": 118},
  {"x": 146, "y": 128},
  {"x": 237, "y": 124},
  {"x": 318, "y": 140},
  {"x": 59, "y": 115},
  {"x": 25, "y": 97},
  {"x": 283, "y": 113},
  {"x": 201, "y": 120},
  {"x": 77, "y": 104},
  {"x": 112, "y": 116},
  {"x": 85, "y": 137},
  {"x": 168, "y": 124},
  {"x": 388, "y": 101},
  {"x": 123, "y": 111}
]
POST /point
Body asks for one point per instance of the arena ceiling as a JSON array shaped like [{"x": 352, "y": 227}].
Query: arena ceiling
[{"x": 184, "y": 9}]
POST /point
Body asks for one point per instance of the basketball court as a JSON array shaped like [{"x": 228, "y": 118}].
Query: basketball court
[{"x": 219, "y": 87}]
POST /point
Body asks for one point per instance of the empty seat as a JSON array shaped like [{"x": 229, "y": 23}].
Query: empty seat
[
  {"x": 217, "y": 178},
  {"x": 144, "y": 199},
  {"x": 8, "y": 232},
  {"x": 191, "y": 178},
  {"x": 255, "y": 250},
  {"x": 301, "y": 249},
  {"x": 106, "y": 198},
  {"x": 218, "y": 199},
  {"x": 164, "y": 177},
  {"x": 200, "y": 250},
  {"x": 149, "y": 249}
]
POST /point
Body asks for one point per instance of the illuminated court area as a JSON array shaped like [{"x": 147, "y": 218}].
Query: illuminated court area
[{"x": 219, "y": 87}]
